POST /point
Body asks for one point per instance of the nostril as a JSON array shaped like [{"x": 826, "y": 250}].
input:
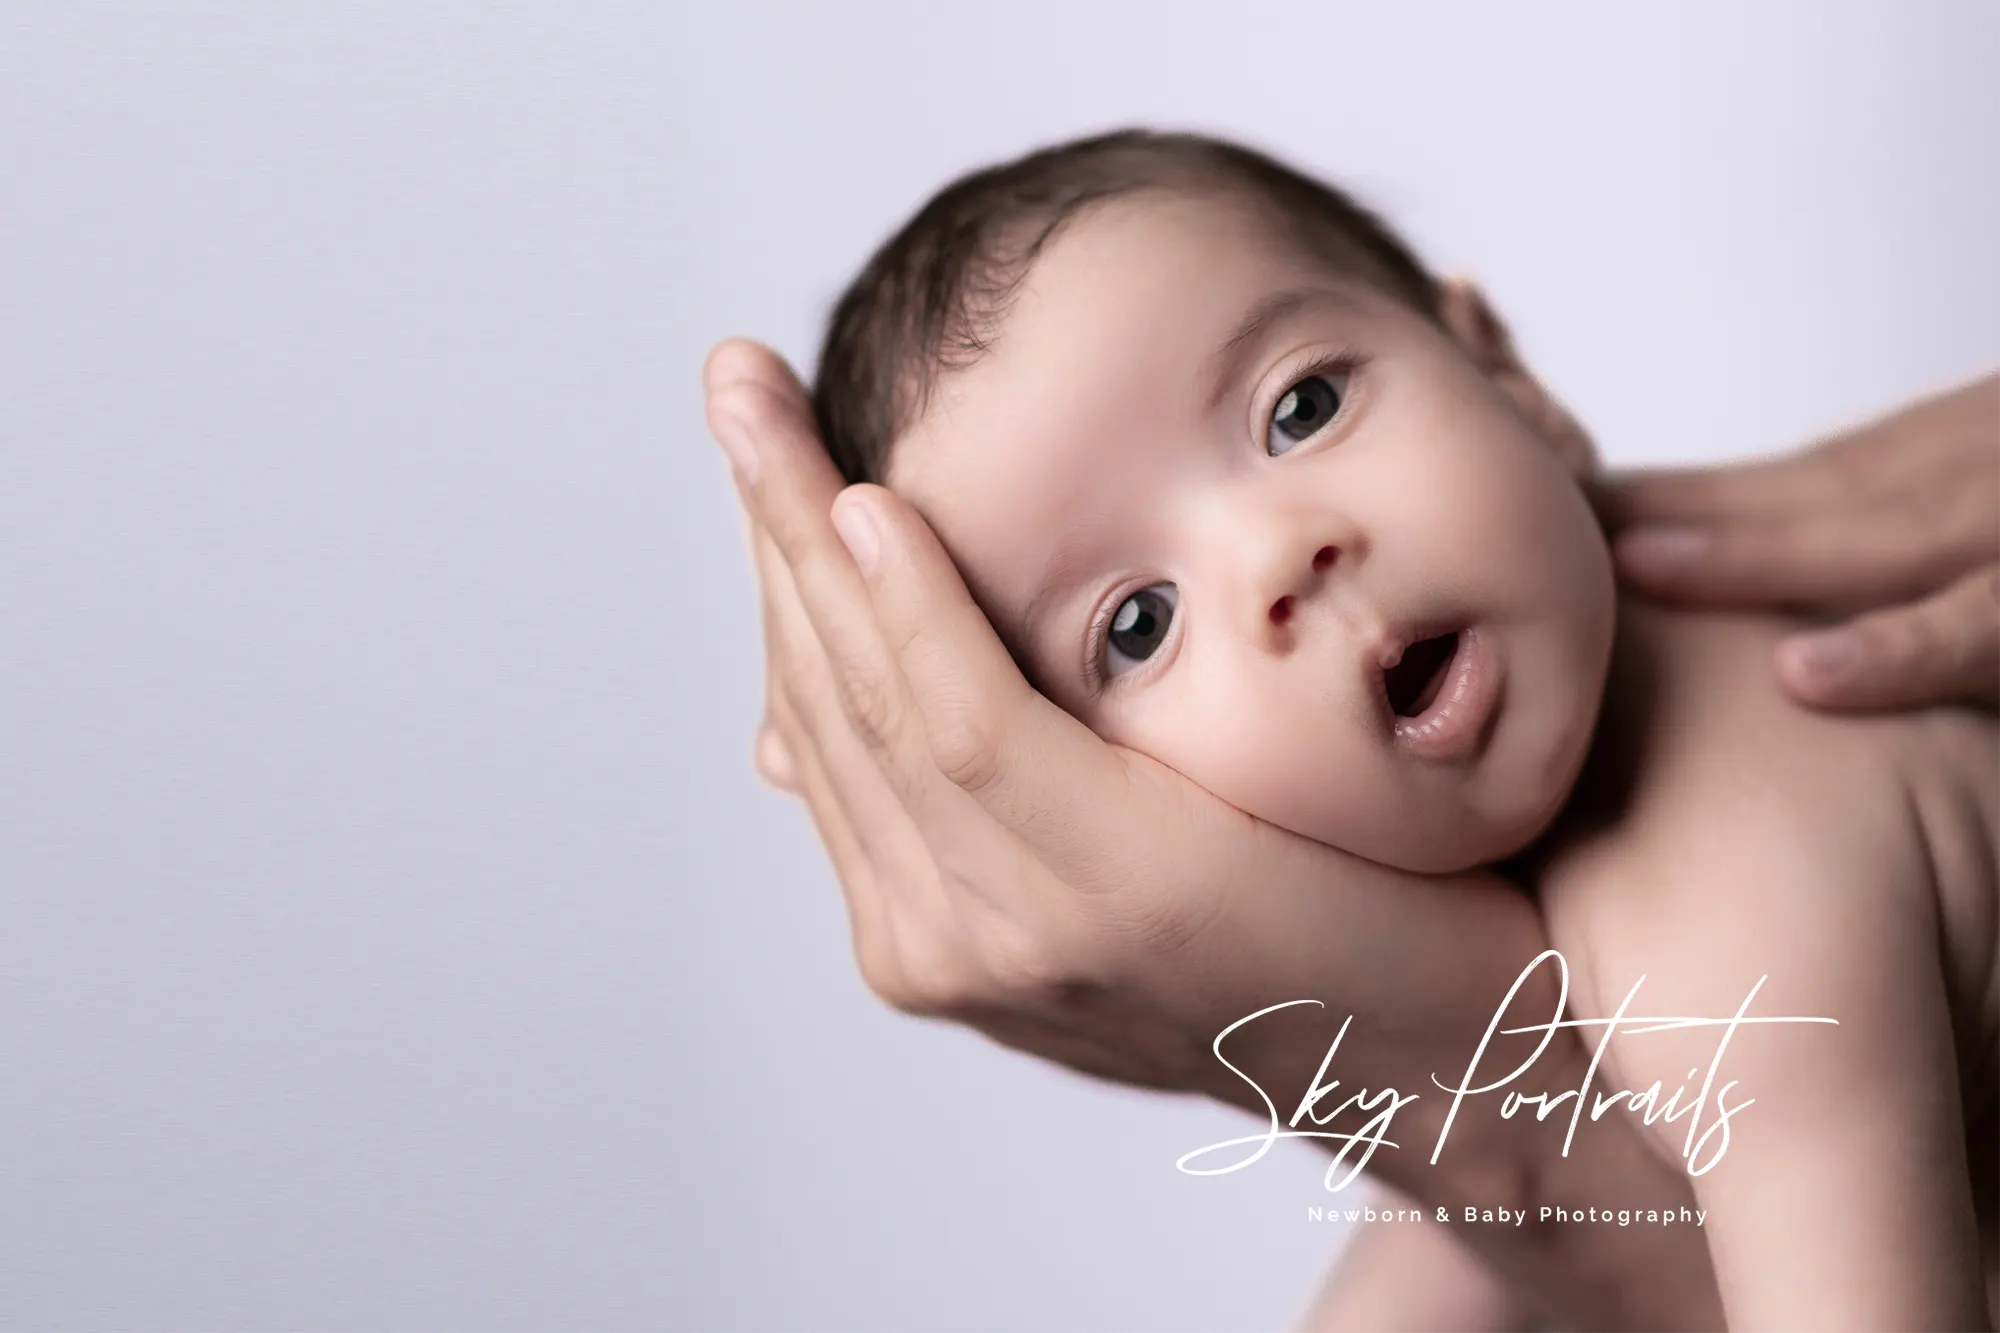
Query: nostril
[
  {"x": 1281, "y": 610},
  {"x": 1323, "y": 557}
]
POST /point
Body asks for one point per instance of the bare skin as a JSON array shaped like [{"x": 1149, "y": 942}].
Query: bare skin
[
  {"x": 1894, "y": 524},
  {"x": 1729, "y": 835},
  {"x": 965, "y": 817},
  {"x": 1268, "y": 567},
  {"x": 1577, "y": 1278},
  {"x": 1905, "y": 1229}
]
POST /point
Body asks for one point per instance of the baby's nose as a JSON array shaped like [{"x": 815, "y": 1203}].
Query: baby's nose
[{"x": 1282, "y": 609}]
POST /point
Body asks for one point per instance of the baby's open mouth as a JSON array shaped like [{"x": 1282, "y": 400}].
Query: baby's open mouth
[{"x": 1413, "y": 683}]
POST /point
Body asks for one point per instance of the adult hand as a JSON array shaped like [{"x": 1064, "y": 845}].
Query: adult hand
[
  {"x": 1003, "y": 866},
  {"x": 1006, "y": 868},
  {"x": 1897, "y": 519}
]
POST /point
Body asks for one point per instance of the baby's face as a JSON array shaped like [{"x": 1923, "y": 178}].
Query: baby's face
[{"x": 1277, "y": 532}]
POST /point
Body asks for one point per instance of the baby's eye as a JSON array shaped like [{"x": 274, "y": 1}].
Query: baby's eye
[
  {"x": 1306, "y": 407},
  {"x": 1138, "y": 627}
]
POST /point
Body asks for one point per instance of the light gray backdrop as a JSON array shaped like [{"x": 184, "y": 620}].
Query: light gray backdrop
[{"x": 392, "y": 932}]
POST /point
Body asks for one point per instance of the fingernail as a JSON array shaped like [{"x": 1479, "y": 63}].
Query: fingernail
[
  {"x": 1661, "y": 548},
  {"x": 1827, "y": 656},
  {"x": 734, "y": 437},
  {"x": 857, "y": 529}
]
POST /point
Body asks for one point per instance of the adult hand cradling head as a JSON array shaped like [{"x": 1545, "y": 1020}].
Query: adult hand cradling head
[
  {"x": 1111, "y": 885},
  {"x": 1007, "y": 868}
]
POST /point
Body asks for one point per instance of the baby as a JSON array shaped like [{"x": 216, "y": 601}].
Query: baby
[{"x": 1245, "y": 488}]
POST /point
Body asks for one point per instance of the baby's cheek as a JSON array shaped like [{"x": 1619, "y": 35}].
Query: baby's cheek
[{"x": 1289, "y": 757}]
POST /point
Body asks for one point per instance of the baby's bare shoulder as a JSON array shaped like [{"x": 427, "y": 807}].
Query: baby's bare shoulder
[
  {"x": 1784, "y": 866},
  {"x": 1739, "y": 815},
  {"x": 1703, "y": 742}
]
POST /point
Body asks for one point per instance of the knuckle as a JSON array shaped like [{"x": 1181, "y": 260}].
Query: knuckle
[
  {"x": 869, "y": 701},
  {"x": 966, "y": 750},
  {"x": 882, "y": 963},
  {"x": 1020, "y": 963},
  {"x": 1902, "y": 639},
  {"x": 1927, "y": 643},
  {"x": 885, "y": 979},
  {"x": 937, "y": 982}
]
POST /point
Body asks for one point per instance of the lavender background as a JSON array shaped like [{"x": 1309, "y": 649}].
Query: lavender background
[{"x": 392, "y": 934}]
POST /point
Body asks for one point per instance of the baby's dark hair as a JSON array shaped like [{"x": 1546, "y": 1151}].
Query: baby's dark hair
[{"x": 932, "y": 298}]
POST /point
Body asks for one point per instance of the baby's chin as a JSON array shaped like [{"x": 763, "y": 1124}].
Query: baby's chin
[
  {"x": 1484, "y": 842},
  {"x": 1427, "y": 847},
  {"x": 1432, "y": 829},
  {"x": 1496, "y": 809},
  {"x": 1505, "y": 812}
]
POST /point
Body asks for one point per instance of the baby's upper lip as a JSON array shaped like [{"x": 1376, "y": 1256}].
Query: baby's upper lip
[{"x": 1387, "y": 648}]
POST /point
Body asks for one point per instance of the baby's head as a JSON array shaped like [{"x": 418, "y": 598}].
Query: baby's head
[{"x": 1242, "y": 487}]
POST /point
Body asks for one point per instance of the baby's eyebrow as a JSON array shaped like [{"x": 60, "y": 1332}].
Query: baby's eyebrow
[{"x": 1226, "y": 362}]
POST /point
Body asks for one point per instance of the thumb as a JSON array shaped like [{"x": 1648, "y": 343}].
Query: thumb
[{"x": 1942, "y": 649}]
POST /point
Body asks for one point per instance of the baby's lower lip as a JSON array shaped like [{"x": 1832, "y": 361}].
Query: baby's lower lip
[{"x": 1456, "y": 724}]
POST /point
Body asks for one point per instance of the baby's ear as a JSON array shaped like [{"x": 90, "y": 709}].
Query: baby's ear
[{"x": 1463, "y": 310}]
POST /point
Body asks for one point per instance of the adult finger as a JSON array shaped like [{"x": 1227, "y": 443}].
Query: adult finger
[
  {"x": 909, "y": 938},
  {"x": 770, "y": 753},
  {"x": 1758, "y": 487},
  {"x": 789, "y": 483},
  {"x": 862, "y": 764},
  {"x": 855, "y": 866},
  {"x": 732, "y": 361},
  {"x": 806, "y": 705},
  {"x": 1035, "y": 768},
  {"x": 1945, "y": 648},
  {"x": 853, "y": 801},
  {"x": 799, "y": 748},
  {"x": 868, "y": 909},
  {"x": 896, "y": 805},
  {"x": 740, "y": 360},
  {"x": 1812, "y": 558}
]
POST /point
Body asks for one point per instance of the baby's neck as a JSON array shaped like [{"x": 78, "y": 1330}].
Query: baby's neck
[{"x": 1648, "y": 646}]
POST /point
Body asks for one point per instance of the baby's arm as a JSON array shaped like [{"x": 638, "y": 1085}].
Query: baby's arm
[
  {"x": 1400, "y": 1277},
  {"x": 1843, "y": 1200}
]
